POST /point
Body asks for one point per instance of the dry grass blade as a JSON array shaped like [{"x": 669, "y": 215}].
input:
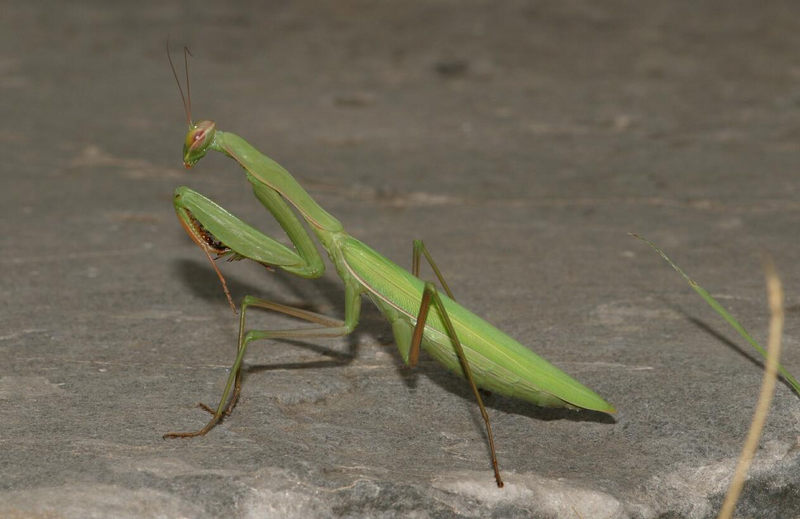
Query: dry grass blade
[{"x": 775, "y": 297}]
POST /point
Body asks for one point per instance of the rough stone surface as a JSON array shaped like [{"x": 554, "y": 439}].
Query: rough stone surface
[{"x": 521, "y": 140}]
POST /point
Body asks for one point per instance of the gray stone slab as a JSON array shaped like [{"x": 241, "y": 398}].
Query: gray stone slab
[{"x": 521, "y": 141}]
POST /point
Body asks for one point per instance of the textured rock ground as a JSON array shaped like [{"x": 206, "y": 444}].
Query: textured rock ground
[{"x": 521, "y": 140}]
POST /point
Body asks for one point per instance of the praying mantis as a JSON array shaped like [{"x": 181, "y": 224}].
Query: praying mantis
[{"x": 419, "y": 314}]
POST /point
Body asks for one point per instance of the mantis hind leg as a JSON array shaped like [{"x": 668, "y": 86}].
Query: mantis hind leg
[
  {"x": 420, "y": 249},
  {"x": 401, "y": 329},
  {"x": 326, "y": 327},
  {"x": 430, "y": 296}
]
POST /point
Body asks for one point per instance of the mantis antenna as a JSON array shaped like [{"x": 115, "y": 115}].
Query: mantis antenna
[{"x": 187, "y": 106}]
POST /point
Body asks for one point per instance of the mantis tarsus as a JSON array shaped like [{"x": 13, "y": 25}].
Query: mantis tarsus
[{"x": 419, "y": 314}]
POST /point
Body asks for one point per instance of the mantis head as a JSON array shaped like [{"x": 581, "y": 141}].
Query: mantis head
[
  {"x": 198, "y": 140},
  {"x": 201, "y": 134}
]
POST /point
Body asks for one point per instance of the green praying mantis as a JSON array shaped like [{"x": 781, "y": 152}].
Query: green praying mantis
[{"x": 419, "y": 314}]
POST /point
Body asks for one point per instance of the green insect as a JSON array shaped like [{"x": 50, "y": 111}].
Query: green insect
[{"x": 420, "y": 316}]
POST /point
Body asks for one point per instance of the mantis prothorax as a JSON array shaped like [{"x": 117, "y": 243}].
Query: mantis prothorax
[{"x": 420, "y": 316}]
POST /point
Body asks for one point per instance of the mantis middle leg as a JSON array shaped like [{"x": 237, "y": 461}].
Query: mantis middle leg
[{"x": 326, "y": 327}]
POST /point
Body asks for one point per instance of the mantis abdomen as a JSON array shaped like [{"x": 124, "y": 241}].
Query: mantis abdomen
[{"x": 499, "y": 363}]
